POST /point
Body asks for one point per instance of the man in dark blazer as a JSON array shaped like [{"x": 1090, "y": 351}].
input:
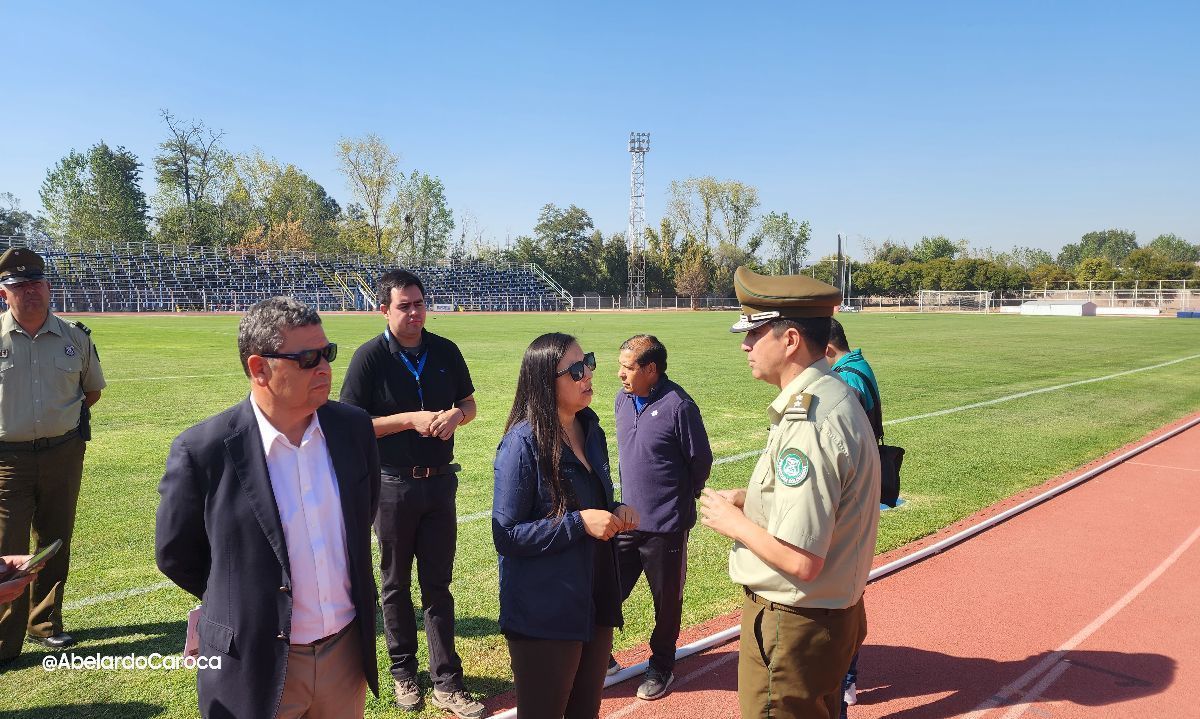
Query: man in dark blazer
[{"x": 266, "y": 516}]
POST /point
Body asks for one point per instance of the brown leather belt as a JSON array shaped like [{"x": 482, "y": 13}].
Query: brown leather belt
[
  {"x": 804, "y": 611},
  {"x": 419, "y": 472},
  {"x": 35, "y": 445}
]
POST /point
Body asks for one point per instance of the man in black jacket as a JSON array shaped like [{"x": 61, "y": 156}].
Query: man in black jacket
[{"x": 265, "y": 516}]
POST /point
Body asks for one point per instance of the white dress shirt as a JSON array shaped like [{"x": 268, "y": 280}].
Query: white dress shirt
[{"x": 310, "y": 509}]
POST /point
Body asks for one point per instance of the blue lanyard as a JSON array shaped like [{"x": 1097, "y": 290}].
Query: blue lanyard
[{"x": 416, "y": 371}]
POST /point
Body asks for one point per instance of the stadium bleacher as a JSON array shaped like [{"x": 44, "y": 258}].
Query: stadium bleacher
[{"x": 146, "y": 277}]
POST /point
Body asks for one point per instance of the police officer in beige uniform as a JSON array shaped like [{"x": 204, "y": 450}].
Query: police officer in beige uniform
[
  {"x": 49, "y": 371},
  {"x": 804, "y": 530}
]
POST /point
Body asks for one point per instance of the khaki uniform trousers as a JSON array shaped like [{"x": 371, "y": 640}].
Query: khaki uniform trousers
[
  {"x": 39, "y": 489},
  {"x": 793, "y": 659}
]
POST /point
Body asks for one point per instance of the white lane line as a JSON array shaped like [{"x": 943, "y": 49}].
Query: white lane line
[
  {"x": 1018, "y": 687},
  {"x": 1166, "y": 466},
  {"x": 114, "y": 596}
]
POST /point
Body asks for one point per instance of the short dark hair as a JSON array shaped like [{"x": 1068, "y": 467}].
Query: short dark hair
[
  {"x": 261, "y": 330},
  {"x": 814, "y": 330},
  {"x": 837, "y": 335},
  {"x": 647, "y": 349},
  {"x": 396, "y": 279}
]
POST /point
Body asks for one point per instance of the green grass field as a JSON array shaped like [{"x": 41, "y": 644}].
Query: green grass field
[{"x": 167, "y": 373}]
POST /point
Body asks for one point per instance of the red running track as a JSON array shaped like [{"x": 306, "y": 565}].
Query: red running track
[{"x": 1085, "y": 606}]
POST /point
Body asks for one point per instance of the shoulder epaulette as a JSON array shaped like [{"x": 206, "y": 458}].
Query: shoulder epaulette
[
  {"x": 79, "y": 325},
  {"x": 798, "y": 410}
]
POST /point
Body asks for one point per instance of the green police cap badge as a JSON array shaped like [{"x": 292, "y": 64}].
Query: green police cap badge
[{"x": 792, "y": 467}]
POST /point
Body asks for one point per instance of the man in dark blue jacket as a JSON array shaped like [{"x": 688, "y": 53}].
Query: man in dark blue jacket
[{"x": 664, "y": 460}]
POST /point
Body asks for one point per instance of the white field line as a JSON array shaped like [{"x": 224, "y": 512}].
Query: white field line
[
  {"x": 1032, "y": 392},
  {"x": 1019, "y": 686},
  {"x": 177, "y": 376},
  {"x": 114, "y": 596},
  {"x": 466, "y": 518}
]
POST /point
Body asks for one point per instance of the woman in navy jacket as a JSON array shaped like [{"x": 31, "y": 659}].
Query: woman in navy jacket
[{"x": 553, "y": 515}]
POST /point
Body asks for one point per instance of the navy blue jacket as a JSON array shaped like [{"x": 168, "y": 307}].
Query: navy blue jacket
[
  {"x": 546, "y": 563},
  {"x": 664, "y": 457}
]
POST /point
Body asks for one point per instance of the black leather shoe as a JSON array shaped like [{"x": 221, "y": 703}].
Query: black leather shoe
[{"x": 62, "y": 640}]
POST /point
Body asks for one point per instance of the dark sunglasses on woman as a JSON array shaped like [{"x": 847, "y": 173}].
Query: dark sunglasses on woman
[
  {"x": 307, "y": 359},
  {"x": 576, "y": 369}
]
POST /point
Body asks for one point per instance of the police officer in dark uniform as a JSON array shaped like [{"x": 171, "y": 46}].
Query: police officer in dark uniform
[
  {"x": 417, "y": 388},
  {"x": 49, "y": 376},
  {"x": 804, "y": 529}
]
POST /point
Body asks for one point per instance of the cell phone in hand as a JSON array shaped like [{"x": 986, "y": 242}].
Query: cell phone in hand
[{"x": 34, "y": 564}]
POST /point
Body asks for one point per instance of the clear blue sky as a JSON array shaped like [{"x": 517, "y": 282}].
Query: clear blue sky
[{"x": 1009, "y": 123}]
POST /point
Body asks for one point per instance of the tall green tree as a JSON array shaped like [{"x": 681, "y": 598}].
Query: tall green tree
[
  {"x": 192, "y": 170},
  {"x": 96, "y": 196},
  {"x": 280, "y": 207},
  {"x": 564, "y": 239},
  {"x": 1175, "y": 248},
  {"x": 420, "y": 221},
  {"x": 934, "y": 248},
  {"x": 372, "y": 171},
  {"x": 788, "y": 240},
  {"x": 1112, "y": 245},
  {"x": 15, "y": 221},
  {"x": 694, "y": 270}
]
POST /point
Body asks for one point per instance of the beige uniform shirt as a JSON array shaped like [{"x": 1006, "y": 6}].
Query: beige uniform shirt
[
  {"x": 816, "y": 487},
  {"x": 43, "y": 378}
]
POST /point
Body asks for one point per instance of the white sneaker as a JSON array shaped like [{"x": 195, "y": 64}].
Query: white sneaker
[
  {"x": 613, "y": 666},
  {"x": 850, "y": 695}
]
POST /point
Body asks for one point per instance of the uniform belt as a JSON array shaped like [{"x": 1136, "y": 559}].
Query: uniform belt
[
  {"x": 419, "y": 472},
  {"x": 35, "y": 445},
  {"x": 805, "y": 611}
]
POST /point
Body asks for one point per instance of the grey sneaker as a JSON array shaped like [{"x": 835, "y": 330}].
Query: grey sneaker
[
  {"x": 655, "y": 685},
  {"x": 408, "y": 694},
  {"x": 458, "y": 703},
  {"x": 613, "y": 666}
]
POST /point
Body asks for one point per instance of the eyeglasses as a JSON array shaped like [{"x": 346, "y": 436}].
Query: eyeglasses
[
  {"x": 307, "y": 359},
  {"x": 576, "y": 369}
]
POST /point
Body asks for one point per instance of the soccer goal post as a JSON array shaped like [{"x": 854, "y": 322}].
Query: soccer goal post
[{"x": 954, "y": 301}]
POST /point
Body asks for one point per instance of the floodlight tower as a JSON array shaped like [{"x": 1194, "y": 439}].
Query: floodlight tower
[{"x": 639, "y": 145}]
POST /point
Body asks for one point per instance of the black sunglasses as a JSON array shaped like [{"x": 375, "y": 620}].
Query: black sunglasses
[
  {"x": 576, "y": 370},
  {"x": 307, "y": 359}
]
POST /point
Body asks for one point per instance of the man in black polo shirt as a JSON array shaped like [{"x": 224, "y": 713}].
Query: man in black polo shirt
[{"x": 417, "y": 388}]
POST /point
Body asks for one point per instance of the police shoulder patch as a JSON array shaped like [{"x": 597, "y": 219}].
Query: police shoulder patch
[{"x": 792, "y": 467}]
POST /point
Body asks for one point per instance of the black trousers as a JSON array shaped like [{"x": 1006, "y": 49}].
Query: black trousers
[
  {"x": 417, "y": 519},
  {"x": 559, "y": 679},
  {"x": 663, "y": 558}
]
